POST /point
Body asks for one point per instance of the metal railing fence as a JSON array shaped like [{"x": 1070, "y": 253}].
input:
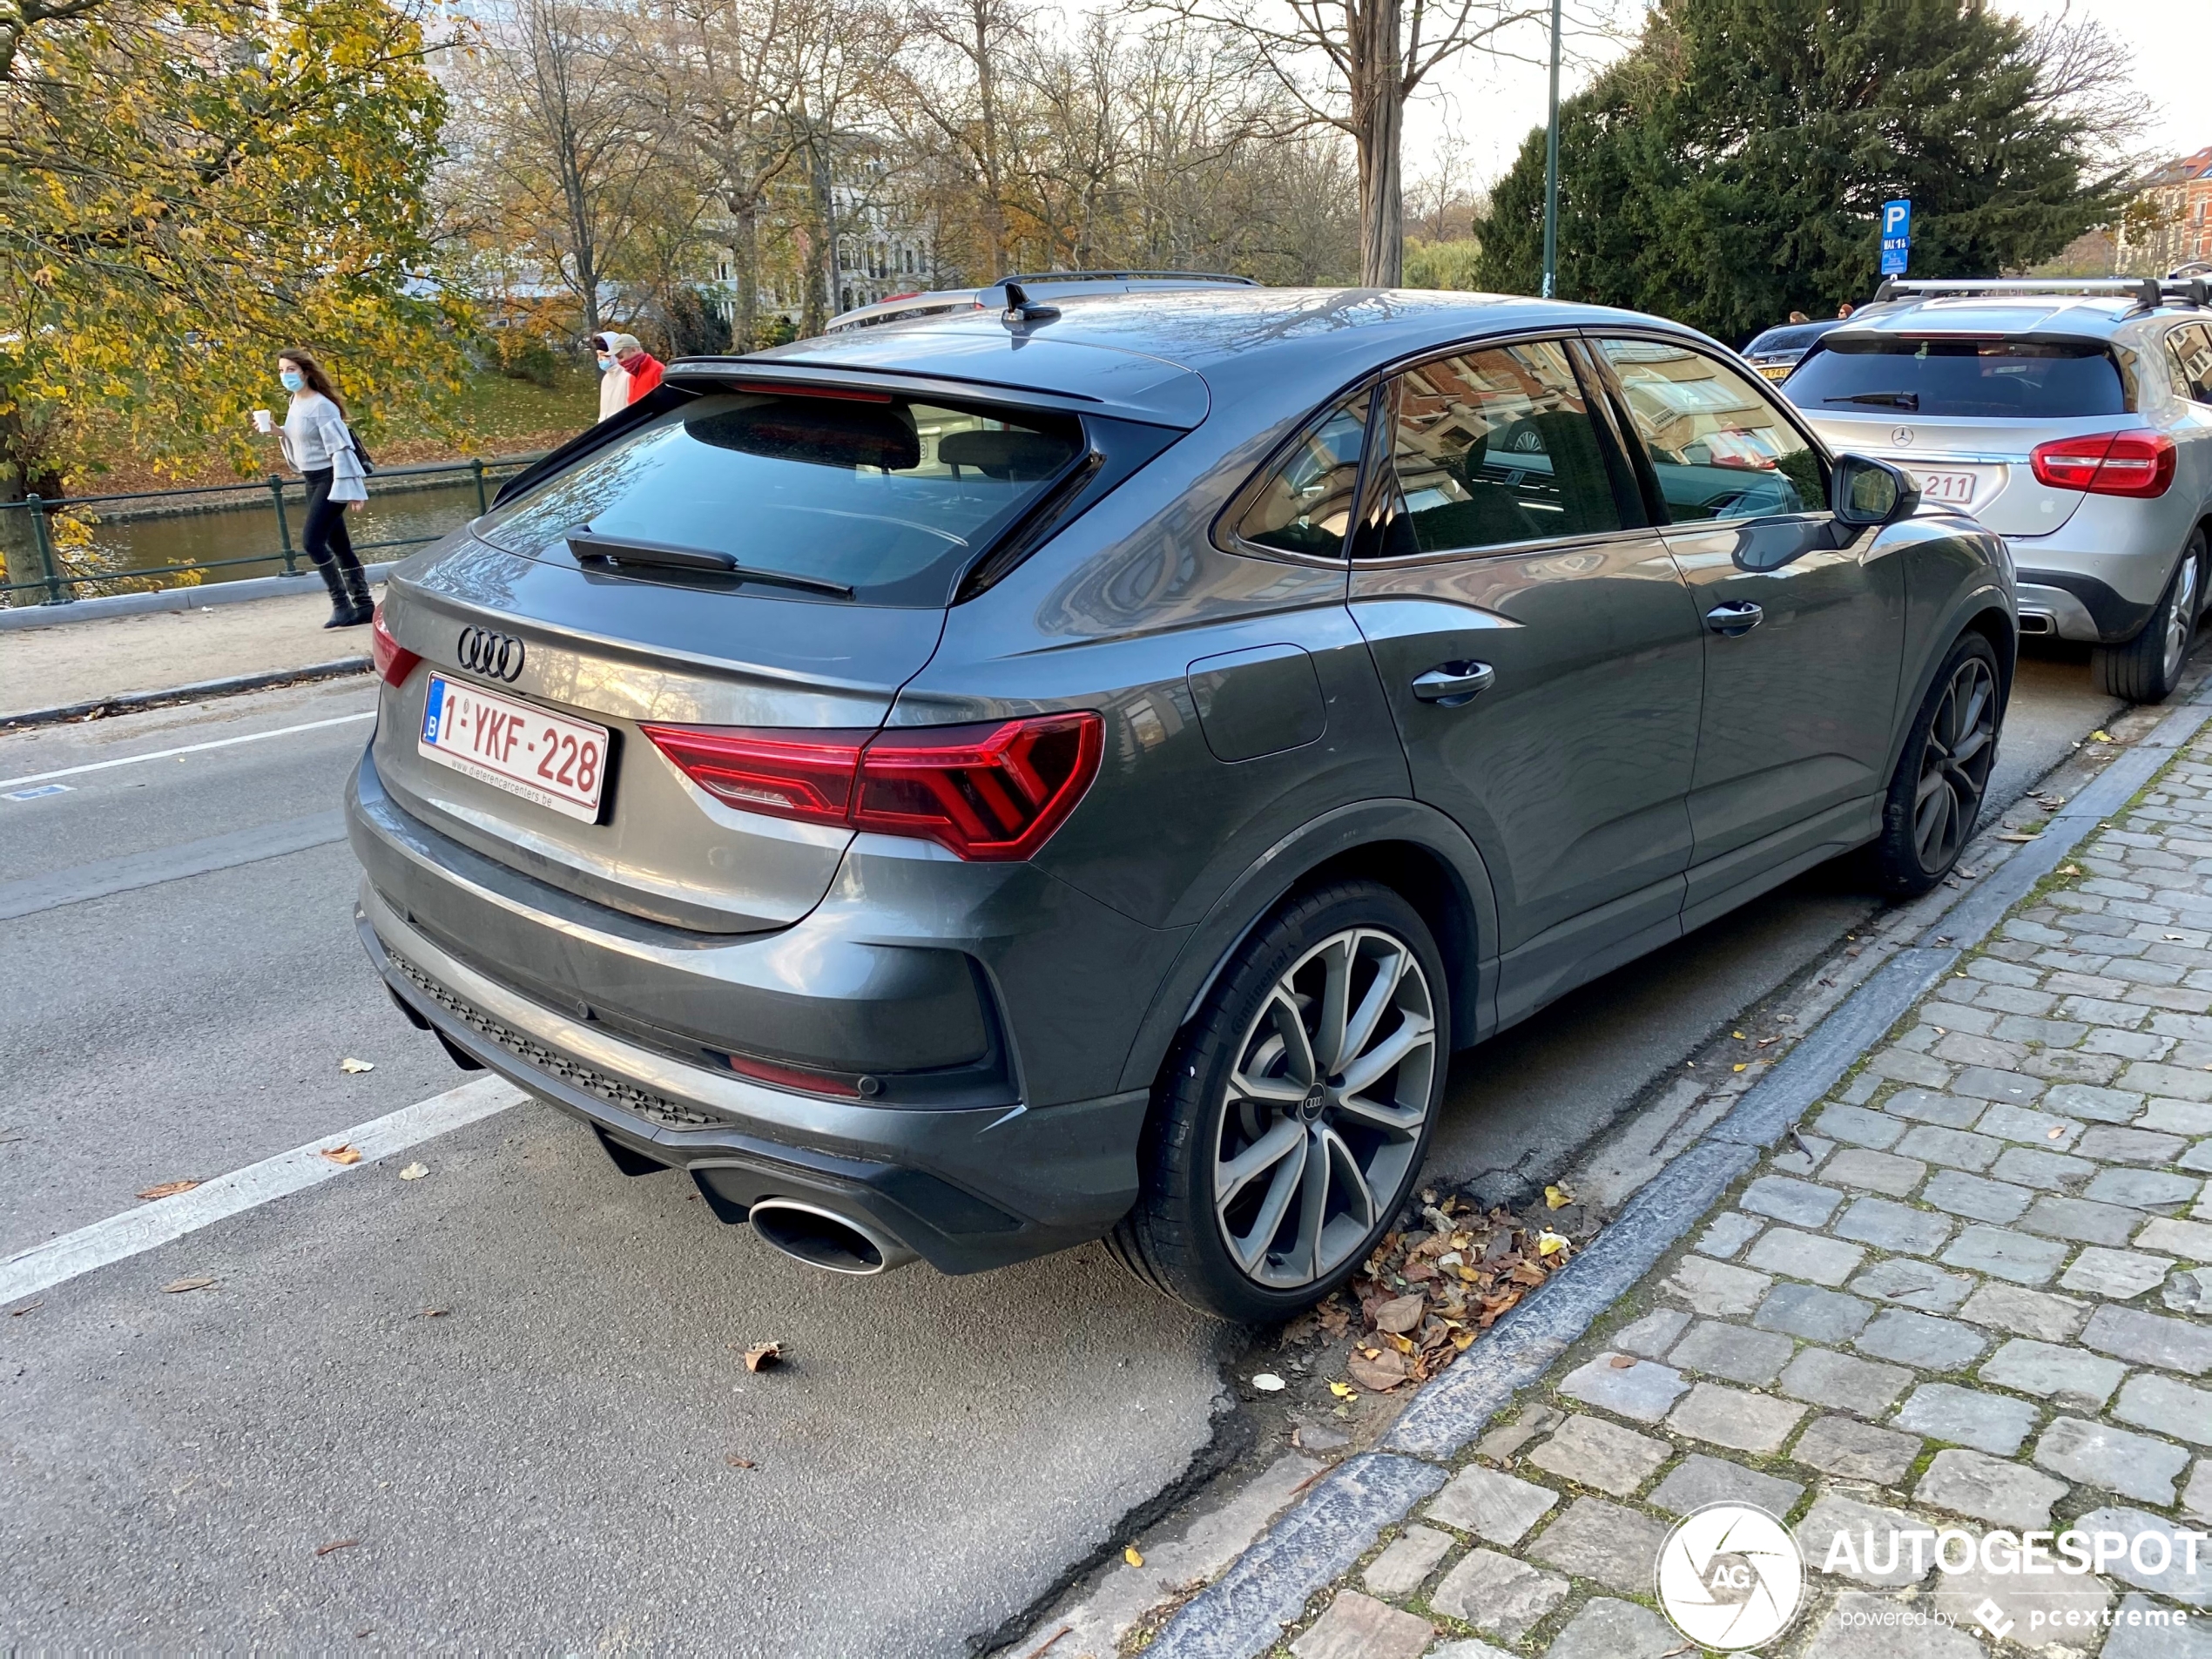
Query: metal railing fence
[{"x": 53, "y": 578}]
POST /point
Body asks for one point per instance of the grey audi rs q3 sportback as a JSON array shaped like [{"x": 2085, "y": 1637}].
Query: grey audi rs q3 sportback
[{"x": 967, "y": 786}]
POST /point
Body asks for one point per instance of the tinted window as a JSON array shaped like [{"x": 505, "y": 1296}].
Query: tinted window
[
  {"x": 2191, "y": 349},
  {"x": 1791, "y": 337},
  {"x": 1718, "y": 448},
  {"x": 888, "y": 497},
  {"x": 1305, "y": 503},
  {"x": 1494, "y": 448},
  {"x": 1983, "y": 378}
]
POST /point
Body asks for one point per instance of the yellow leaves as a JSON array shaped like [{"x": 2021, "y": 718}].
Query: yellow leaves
[
  {"x": 1131, "y": 1555},
  {"x": 1557, "y": 1197},
  {"x": 1549, "y": 1242},
  {"x": 1343, "y": 1391}
]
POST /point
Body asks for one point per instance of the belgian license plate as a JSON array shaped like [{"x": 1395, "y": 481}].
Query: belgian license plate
[
  {"x": 1776, "y": 371},
  {"x": 559, "y": 763},
  {"x": 1954, "y": 489}
]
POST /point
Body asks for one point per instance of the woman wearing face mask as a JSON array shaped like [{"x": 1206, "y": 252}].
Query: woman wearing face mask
[
  {"x": 321, "y": 449},
  {"x": 614, "y": 379}
]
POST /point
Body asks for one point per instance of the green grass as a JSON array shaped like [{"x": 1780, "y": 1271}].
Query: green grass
[{"x": 499, "y": 413}]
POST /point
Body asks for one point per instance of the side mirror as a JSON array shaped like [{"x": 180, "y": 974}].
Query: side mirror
[{"x": 1861, "y": 491}]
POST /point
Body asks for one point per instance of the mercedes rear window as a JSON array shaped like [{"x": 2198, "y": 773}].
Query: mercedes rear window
[
  {"x": 885, "y": 497},
  {"x": 1789, "y": 337},
  {"x": 1976, "y": 379}
]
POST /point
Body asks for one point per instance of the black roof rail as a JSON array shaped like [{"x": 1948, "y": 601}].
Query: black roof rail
[
  {"x": 2148, "y": 293},
  {"x": 1104, "y": 276}
]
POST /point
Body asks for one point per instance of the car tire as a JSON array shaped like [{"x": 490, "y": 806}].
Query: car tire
[
  {"x": 2147, "y": 668},
  {"x": 1936, "y": 793},
  {"x": 1289, "y": 1138}
]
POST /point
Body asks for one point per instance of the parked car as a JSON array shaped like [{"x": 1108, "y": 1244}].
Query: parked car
[
  {"x": 2075, "y": 418},
  {"x": 1050, "y": 285},
  {"x": 1774, "y": 352},
  {"x": 963, "y": 789}
]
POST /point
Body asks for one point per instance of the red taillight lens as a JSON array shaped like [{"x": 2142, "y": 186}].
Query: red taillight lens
[
  {"x": 2140, "y": 464},
  {"x": 990, "y": 791},
  {"x": 394, "y": 661}
]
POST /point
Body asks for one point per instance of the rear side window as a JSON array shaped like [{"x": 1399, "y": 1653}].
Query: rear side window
[
  {"x": 2191, "y": 350},
  {"x": 886, "y": 495},
  {"x": 1305, "y": 503},
  {"x": 1491, "y": 447},
  {"x": 1717, "y": 447},
  {"x": 1973, "y": 379}
]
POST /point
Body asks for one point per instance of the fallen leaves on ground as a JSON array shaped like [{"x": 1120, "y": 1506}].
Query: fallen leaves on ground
[
  {"x": 414, "y": 1172},
  {"x": 338, "y": 1543},
  {"x": 168, "y": 1188},
  {"x": 737, "y": 1462},
  {"x": 354, "y": 1068},
  {"x": 178, "y": 1286},
  {"x": 1623, "y": 1362},
  {"x": 2100, "y": 736},
  {"x": 433, "y": 1313},
  {"x": 27, "y": 1307},
  {"x": 342, "y": 1153},
  {"x": 1268, "y": 1383},
  {"x": 764, "y": 1354},
  {"x": 1130, "y": 1555},
  {"x": 1427, "y": 1293}
]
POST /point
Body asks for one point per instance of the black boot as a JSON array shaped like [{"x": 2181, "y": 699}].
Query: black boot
[
  {"x": 356, "y": 581},
  {"x": 341, "y": 604}
]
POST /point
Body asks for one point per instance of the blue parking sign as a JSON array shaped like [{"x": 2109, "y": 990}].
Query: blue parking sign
[{"x": 1896, "y": 237}]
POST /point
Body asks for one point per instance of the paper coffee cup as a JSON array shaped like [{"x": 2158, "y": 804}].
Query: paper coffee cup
[{"x": 262, "y": 422}]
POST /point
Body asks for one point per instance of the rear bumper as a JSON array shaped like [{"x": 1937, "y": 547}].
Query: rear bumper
[
  {"x": 2101, "y": 577},
  {"x": 2078, "y": 607},
  {"x": 989, "y": 1008},
  {"x": 964, "y": 1190}
]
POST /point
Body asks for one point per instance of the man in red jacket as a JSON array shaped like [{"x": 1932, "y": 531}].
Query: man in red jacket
[{"x": 643, "y": 368}]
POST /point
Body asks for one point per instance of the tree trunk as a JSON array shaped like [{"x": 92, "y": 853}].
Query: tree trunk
[
  {"x": 993, "y": 168},
  {"x": 822, "y": 256},
  {"x": 744, "y": 214},
  {"x": 1378, "y": 106}
]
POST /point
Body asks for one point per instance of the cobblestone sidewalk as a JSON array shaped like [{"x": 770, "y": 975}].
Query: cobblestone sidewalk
[{"x": 1973, "y": 1293}]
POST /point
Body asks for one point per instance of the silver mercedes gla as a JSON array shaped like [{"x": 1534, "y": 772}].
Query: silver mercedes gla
[
  {"x": 971, "y": 785},
  {"x": 2073, "y": 417}
]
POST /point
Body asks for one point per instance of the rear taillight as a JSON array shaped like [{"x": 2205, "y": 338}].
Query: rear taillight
[
  {"x": 394, "y": 661},
  {"x": 2107, "y": 463},
  {"x": 991, "y": 792}
]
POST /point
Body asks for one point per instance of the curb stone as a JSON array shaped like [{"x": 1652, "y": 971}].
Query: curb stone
[
  {"x": 130, "y": 701},
  {"x": 108, "y": 605},
  {"x": 1242, "y": 1614}
]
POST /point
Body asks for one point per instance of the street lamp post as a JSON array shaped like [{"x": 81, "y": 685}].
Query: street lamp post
[{"x": 1551, "y": 170}]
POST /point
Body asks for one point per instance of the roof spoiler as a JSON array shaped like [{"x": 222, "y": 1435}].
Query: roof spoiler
[{"x": 2149, "y": 293}]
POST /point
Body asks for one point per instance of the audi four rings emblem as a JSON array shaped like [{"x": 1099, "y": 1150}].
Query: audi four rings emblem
[{"x": 497, "y": 657}]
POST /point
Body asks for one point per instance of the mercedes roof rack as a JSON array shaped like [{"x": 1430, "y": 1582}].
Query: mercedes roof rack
[
  {"x": 1106, "y": 276},
  {"x": 2149, "y": 293}
]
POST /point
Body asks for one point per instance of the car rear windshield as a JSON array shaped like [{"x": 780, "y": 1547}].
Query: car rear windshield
[
  {"x": 884, "y": 496},
  {"x": 1790, "y": 337},
  {"x": 1984, "y": 378}
]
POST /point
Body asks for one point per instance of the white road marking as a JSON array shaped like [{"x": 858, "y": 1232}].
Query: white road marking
[
  {"x": 7, "y": 784},
  {"x": 162, "y": 1220}
]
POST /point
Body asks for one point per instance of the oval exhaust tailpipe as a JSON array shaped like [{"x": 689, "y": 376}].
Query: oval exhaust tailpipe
[{"x": 823, "y": 1238}]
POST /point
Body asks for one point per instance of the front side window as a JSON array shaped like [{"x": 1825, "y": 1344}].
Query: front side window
[
  {"x": 1718, "y": 448},
  {"x": 1304, "y": 505},
  {"x": 883, "y": 494},
  {"x": 1491, "y": 447}
]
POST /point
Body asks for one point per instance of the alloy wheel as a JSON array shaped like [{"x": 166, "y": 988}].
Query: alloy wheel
[
  {"x": 2181, "y": 615},
  {"x": 1954, "y": 765},
  {"x": 1327, "y": 1098}
]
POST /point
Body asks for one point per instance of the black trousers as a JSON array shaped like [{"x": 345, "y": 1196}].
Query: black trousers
[{"x": 326, "y": 533}]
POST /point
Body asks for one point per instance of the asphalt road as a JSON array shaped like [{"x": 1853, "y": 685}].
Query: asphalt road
[{"x": 546, "y": 1462}]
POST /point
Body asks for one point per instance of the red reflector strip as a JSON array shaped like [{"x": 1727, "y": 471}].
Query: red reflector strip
[
  {"x": 394, "y": 661},
  {"x": 811, "y": 1082}
]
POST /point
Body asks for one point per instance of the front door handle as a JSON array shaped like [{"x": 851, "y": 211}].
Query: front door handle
[
  {"x": 1450, "y": 684},
  {"x": 1735, "y": 617}
]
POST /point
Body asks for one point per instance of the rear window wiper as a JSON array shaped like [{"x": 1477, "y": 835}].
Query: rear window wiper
[
  {"x": 1885, "y": 399},
  {"x": 590, "y": 548}
]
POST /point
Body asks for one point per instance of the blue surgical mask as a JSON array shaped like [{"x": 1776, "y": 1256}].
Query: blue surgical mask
[
  {"x": 293, "y": 378},
  {"x": 606, "y": 363}
]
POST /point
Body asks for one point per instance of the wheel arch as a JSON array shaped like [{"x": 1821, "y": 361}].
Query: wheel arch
[
  {"x": 1984, "y": 611},
  {"x": 1412, "y": 848}
]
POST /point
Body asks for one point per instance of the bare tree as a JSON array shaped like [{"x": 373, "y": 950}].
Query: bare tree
[
  {"x": 956, "y": 80},
  {"x": 1370, "y": 57},
  {"x": 560, "y": 141}
]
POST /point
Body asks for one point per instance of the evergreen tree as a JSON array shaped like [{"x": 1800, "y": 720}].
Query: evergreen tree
[{"x": 1733, "y": 167}]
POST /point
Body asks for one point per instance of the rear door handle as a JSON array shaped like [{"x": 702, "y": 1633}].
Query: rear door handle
[
  {"x": 1736, "y": 616},
  {"x": 1450, "y": 684}
]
